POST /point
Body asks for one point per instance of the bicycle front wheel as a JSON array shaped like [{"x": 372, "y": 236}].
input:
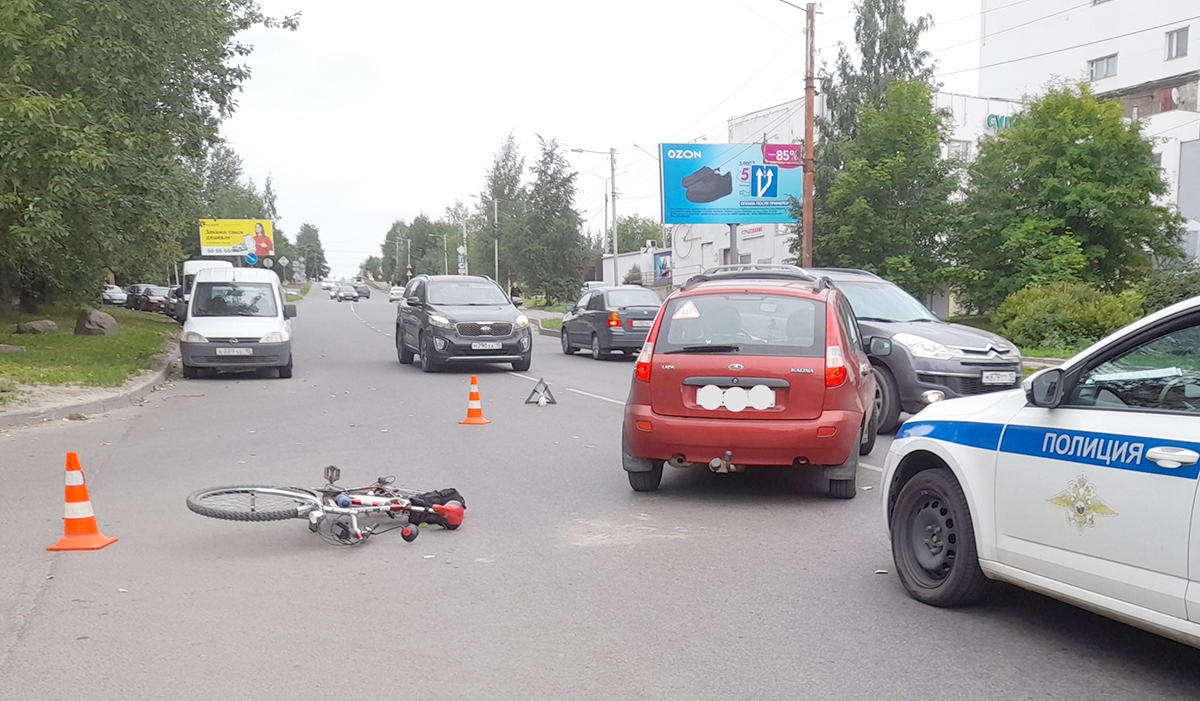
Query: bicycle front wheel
[{"x": 251, "y": 502}]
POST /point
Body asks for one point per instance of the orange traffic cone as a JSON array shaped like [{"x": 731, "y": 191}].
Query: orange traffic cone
[
  {"x": 80, "y": 531},
  {"x": 474, "y": 406}
]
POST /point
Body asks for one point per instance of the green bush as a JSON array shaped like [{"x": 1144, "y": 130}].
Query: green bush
[
  {"x": 1064, "y": 315},
  {"x": 1162, "y": 288},
  {"x": 634, "y": 276}
]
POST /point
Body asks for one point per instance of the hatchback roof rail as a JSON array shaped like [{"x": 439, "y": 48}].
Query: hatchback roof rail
[
  {"x": 852, "y": 271},
  {"x": 760, "y": 271}
]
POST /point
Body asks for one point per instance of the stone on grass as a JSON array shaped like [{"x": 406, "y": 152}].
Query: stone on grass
[
  {"x": 43, "y": 326},
  {"x": 95, "y": 323},
  {"x": 11, "y": 349}
]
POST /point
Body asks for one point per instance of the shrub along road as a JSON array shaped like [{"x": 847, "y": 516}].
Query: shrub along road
[{"x": 562, "y": 583}]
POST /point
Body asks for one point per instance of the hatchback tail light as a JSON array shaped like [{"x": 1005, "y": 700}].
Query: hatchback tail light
[
  {"x": 835, "y": 367},
  {"x": 614, "y": 319},
  {"x": 641, "y": 371}
]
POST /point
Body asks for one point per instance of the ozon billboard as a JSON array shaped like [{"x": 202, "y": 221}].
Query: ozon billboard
[{"x": 729, "y": 183}]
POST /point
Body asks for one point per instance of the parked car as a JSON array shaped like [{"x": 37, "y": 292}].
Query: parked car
[
  {"x": 176, "y": 303},
  {"x": 931, "y": 359},
  {"x": 457, "y": 318},
  {"x": 396, "y": 293},
  {"x": 133, "y": 295},
  {"x": 590, "y": 285},
  {"x": 752, "y": 365},
  {"x": 363, "y": 290},
  {"x": 328, "y": 285},
  {"x": 113, "y": 295},
  {"x": 154, "y": 298},
  {"x": 346, "y": 293},
  {"x": 1081, "y": 485},
  {"x": 610, "y": 318},
  {"x": 237, "y": 320}
]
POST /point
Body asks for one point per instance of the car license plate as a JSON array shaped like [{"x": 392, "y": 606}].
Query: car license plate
[
  {"x": 999, "y": 378},
  {"x": 642, "y": 323},
  {"x": 484, "y": 345},
  {"x": 235, "y": 351}
]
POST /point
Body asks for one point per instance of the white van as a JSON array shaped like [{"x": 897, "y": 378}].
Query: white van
[
  {"x": 191, "y": 267},
  {"x": 237, "y": 319}
]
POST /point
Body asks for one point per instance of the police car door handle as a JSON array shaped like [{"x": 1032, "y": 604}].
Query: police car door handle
[{"x": 1170, "y": 457}]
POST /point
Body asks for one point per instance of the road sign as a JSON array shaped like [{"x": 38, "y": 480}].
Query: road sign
[
  {"x": 251, "y": 258},
  {"x": 283, "y": 260},
  {"x": 267, "y": 262}
]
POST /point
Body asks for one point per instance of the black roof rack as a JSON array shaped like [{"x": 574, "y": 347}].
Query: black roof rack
[{"x": 760, "y": 271}]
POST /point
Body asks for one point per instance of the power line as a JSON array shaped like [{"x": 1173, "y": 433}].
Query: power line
[
  {"x": 1009, "y": 29},
  {"x": 1177, "y": 126},
  {"x": 1068, "y": 48}
]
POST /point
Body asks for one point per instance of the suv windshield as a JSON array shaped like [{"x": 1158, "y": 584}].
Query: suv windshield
[
  {"x": 883, "y": 301},
  {"x": 744, "y": 323},
  {"x": 453, "y": 293},
  {"x": 233, "y": 299},
  {"x": 633, "y": 298}
]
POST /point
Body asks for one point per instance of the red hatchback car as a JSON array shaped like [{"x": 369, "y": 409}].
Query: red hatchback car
[{"x": 752, "y": 365}]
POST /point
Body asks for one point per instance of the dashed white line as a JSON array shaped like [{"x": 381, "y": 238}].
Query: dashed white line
[
  {"x": 353, "y": 309},
  {"x": 596, "y": 396}
]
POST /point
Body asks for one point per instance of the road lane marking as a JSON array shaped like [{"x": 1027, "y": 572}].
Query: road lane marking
[
  {"x": 596, "y": 396},
  {"x": 571, "y": 389},
  {"x": 385, "y": 333}
]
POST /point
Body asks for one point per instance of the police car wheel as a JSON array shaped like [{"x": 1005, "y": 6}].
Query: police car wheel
[{"x": 933, "y": 544}]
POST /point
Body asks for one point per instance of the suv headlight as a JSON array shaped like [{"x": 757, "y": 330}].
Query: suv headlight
[
  {"x": 922, "y": 347},
  {"x": 440, "y": 321},
  {"x": 192, "y": 337},
  {"x": 274, "y": 337},
  {"x": 522, "y": 321}
]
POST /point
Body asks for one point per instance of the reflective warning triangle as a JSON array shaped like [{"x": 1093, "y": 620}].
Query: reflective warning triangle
[{"x": 541, "y": 389}]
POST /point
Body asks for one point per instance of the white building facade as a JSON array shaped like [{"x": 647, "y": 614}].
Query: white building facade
[
  {"x": 1145, "y": 53},
  {"x": 696, "y": 248}
]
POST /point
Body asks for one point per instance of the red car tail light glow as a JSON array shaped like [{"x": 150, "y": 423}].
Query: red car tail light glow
[
  {"x": 614, "y": 319},
  {"x": 835, "y": 367}
]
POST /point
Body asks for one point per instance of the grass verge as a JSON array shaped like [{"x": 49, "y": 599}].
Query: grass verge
[
  {"x": 63, "y": 358},
  {"x": 303, "y": 293},
  {"x": 555, "y": 324}
]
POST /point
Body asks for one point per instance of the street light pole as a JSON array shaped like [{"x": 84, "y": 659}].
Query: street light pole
[
  {"x": 496, "y": 236},
  {"x": 612, "y": 162},
  {"x": 810, "y": 98},
  {"x": 466, "y": 264},
  {"x": 445, "y": 256}
]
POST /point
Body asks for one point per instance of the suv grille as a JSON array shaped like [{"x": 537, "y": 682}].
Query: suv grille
[{"x": 472, "y": 328}]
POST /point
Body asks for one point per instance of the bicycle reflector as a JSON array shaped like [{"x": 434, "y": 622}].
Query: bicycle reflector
[{"x": 332, "y": 474}]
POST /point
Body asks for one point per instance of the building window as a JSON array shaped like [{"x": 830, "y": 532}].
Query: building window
[
  {"x": 1104, "y": 67},
  {"x": 959, "y": 149},
  {"x": 1158, "y": 161},
  {"x": 1177, "y": 43}
]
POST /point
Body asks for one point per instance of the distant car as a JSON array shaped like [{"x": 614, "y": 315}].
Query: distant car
[
  {"x": 447, "y": 319},
  {"x": 346, "y": 292},
  {"x": 610, "y": 318},
  {"x": 113, "y": 295},
  {"x": 176, "y": 305},
  {"x": 328, "y": 285},
  {"x": 154, "y": 299},
  {"x": 363, "y": 290},
  {"x": 134, "y": 294},
  {"x": 590, "y": 285},
  {"x": 395, "y": 294}
]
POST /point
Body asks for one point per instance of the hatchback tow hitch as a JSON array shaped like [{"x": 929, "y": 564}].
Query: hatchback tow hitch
[{"x": 725, "y": 465}]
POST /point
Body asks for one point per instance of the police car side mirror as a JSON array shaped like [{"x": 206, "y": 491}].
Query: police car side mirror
[
  {"x": 1045, "y": 389},
  {"x": 878, "y": 346}
]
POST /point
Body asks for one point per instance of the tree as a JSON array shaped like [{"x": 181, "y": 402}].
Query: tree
[
  {"x": 504, "y": 186},
  {"x": 550, "y": 256},
  {"x": 633, "y": 231},
  {"x": 308, "y": 245},
  {"x": 372, "y": 268},
  {"x": 395, "y": 253},
  {"x": 889, "y": 208},
  {"x": 888, "y": 48},
  {"x": 1066, "y": 194},
  {"x": 100, "y": 106}
]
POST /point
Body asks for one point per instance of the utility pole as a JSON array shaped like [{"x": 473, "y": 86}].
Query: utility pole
[
  {"x": 395, "y": 275},
  {"x": 810, "y": 99},
  {"x": 445, "y": 256},
  {"x": 496, "y": 235},
  {"x": 612, "y": 162},
  {"x": 466, "y": 265}
]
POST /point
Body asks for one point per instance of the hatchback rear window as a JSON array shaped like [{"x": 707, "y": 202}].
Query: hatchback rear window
[
  {"x": 751, "y": 324},
  {"x": 632, "y": 298}
]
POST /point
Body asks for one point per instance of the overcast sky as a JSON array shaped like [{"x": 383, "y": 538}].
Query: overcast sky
[{"x": 377, "y": 110}]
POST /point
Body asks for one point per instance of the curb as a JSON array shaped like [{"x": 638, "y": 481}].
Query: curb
[
  {"x": 546, "y": 332},
  {"x": 1043, "y": 362},
  {"x": 123, "y": 398}
]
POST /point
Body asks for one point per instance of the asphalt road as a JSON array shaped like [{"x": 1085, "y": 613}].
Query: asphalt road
[{"x": 562, "y": 584}]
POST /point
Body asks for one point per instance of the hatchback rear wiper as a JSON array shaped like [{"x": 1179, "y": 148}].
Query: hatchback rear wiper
[{"x": 705, "y": 349}]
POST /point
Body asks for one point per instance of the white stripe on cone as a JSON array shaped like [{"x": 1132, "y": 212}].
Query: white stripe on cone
[
  {"x": 74, "y": 478},
  {"x": 78, "y": 510},
  {"x": 474, "y": 404}
]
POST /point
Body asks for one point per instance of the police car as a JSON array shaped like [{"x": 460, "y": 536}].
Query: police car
[{"x": 1082, "y": 485}]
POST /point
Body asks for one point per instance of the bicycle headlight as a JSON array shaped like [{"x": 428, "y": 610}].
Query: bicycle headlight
[
  {"x": 922, "y": 347},
  {"x": 192, "y": 337},
  {"x": 522, "y": 321},
  {"x": 440, "y": 321}
]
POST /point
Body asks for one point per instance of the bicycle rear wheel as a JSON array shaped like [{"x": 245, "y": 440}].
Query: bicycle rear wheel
[{"x": 251, "y": 502}]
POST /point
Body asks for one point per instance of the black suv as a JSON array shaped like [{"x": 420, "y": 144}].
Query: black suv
[
  {"x": 930, "y": 359},
  {"x": 460, "y": 318}
]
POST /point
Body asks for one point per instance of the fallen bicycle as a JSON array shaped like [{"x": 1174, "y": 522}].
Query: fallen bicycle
[{"x": 333, "y": 512}]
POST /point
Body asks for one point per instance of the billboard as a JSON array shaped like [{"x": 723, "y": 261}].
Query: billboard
[
  {"x": 236, "y": 237},
  {"x": 662, "y": 268},
  {"x": 730, "y": 183}
]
